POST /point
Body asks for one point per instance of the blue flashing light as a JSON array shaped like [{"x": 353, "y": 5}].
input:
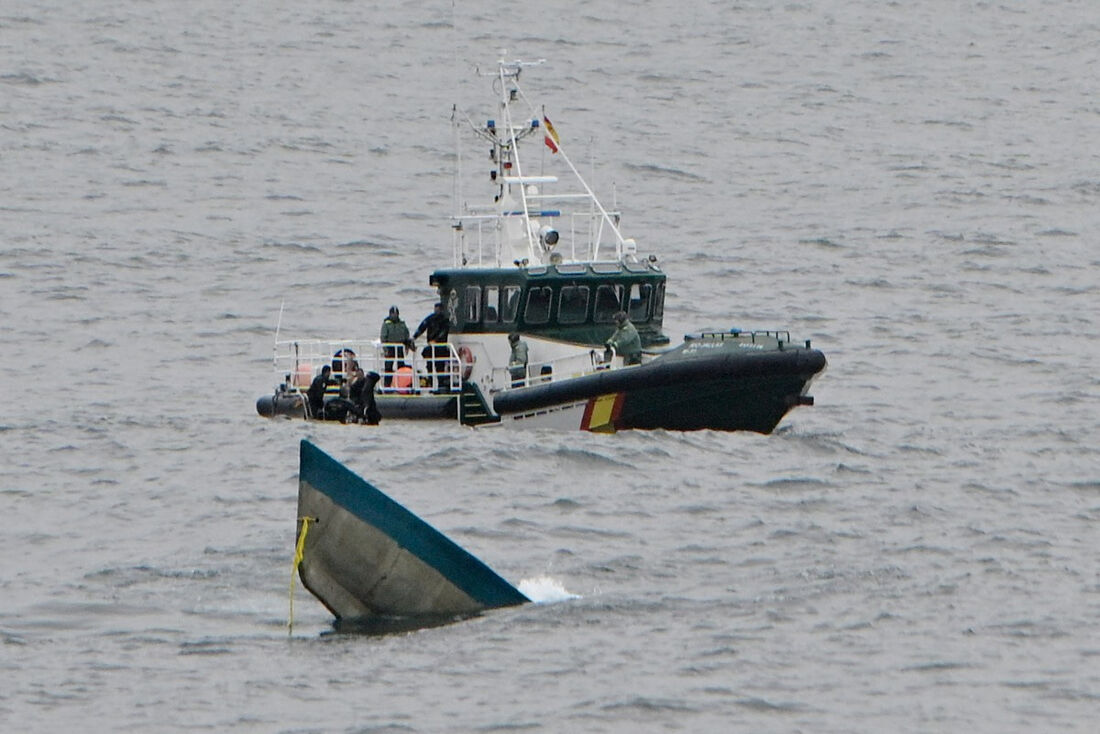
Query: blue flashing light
[
  {"x": 534, "y": 213},
  {"x": 535, "y": 122},
  {"x": 491, "y": 124}
]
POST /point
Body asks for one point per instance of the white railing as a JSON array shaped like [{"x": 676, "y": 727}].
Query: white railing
[
  {"x": 400, "y": 369},
  {"x": 416, "y": 372},
  {"x": 542, "y": 372},
  {"x": 581, "y": 242}
]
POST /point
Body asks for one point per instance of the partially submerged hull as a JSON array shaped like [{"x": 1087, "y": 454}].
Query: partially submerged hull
[{"x": 372, "y": 562}]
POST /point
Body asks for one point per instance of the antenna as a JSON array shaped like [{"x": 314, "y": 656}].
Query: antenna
[{"x": 278, "y": 327}]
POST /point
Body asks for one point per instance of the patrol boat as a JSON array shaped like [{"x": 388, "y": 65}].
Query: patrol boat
[{"x": 555, "y": 268}]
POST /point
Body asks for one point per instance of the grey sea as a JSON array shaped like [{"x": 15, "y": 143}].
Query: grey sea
[{"x": 913, "y": 186}]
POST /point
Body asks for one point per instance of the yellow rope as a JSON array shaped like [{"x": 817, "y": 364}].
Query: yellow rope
[{"x": 299, "y": 552}]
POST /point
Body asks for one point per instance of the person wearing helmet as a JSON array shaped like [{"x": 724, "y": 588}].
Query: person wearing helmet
[
  {"x": 394, "y": 333},
  {"x": 517, "y": 363},
  {"x": 625, "y": 341}
]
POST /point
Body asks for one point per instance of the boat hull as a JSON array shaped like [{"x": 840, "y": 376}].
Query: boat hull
[
  {"x": 717, "y": 389},
  {"x": 367, "y": 558},
  {"x": 708, "y": 384}
]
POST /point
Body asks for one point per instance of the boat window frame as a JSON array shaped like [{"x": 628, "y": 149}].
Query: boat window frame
[
  {"x": 639, "y": 309},
  {"x": 572, "y": 316},
  {"x": 490, "y": 303},
  {"x": 532, "y": 292},
  {"x": 512, "y": 297},
  {"x": 598, "y": 315}
]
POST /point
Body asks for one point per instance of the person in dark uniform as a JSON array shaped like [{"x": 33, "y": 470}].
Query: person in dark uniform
[
  {"x": 316, "y": 392},
  {"x": 436, "y": 327},
  {"x": 361, "y": 394}
]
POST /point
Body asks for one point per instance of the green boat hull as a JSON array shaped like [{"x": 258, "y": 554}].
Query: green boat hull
[{"x": 371, "y": 561}]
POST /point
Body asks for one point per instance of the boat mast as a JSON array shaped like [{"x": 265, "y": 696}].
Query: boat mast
[
  {"x": 458, "y": 237},
  {"x": 517, "y": 210},
  {"x": 622, "y": 245},
  {"x": 516, "y": 215}
]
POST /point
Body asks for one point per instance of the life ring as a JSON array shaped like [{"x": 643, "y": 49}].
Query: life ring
[{"x": 467, "y": 359}]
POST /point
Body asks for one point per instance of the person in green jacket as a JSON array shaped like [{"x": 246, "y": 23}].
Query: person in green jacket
[
  {"x": 625, "y": 341},
  {"x": 394, "y": 332},
  {"x": 517, "y": 363}
]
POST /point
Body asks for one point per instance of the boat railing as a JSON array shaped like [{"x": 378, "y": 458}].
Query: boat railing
[
  {"x": 541, "y": 372},
  {"x": 435, "y": 368},
  {"x": 431, "y": 369},
  {"x": 582, "y": 241}
]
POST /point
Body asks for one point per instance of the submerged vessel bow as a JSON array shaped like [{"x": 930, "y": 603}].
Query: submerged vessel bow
[{"x": 367, "y": 557}]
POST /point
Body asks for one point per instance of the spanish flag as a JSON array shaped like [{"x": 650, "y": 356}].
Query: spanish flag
[{"x": 551, "y": 135}]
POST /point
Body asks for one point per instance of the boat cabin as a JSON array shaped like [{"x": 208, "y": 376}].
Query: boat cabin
[{"x": 571, "y": 302}]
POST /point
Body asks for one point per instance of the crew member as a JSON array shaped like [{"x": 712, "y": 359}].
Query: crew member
[
  {"x": 517, "y": 363},
  {"x": 344, "y": 362},
  {"x": 316, "y": 392},
  {"x": 625, "y": 340},
  {"x": 394, "y": 333},
  {"x": 436, "y": 327},
  {"x": 362, "y": 395}
]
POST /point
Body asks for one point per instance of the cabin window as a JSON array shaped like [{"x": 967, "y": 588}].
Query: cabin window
[
  {"x": 659, "y": 302},
  {"x": 573, "y": 304},
  {"x": 640, "y": 300},
  {"x": 473, "y": 303},
  {"x": 491, "y": 301},
  {"x": 511, "y": 303},
  {"x": 538, "y": 305},
  {"x": 609, "y": 299}
]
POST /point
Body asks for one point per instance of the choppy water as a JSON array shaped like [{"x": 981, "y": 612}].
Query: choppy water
[{"x": 914, "y": 186}]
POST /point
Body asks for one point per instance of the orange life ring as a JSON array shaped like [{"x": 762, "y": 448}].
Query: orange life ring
[{"x": 467, "y": 359}]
